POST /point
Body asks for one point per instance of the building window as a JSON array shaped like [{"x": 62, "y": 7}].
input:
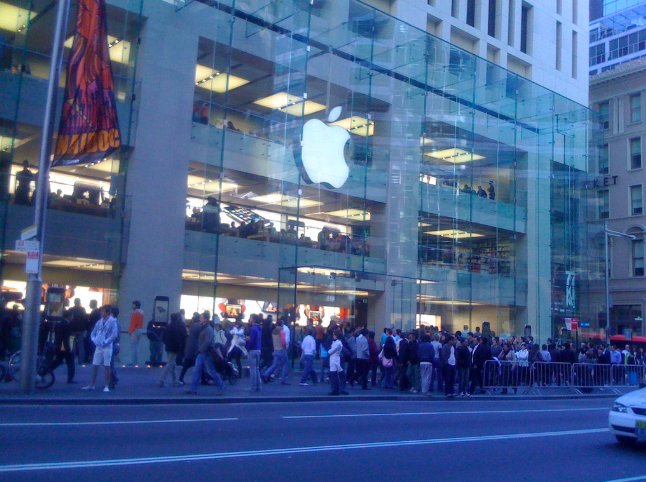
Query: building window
[
  {"x": 603, "y": 197},
  {"x": 559, "y": 44},
  {"x": 604, "y": 114},
  {"x": 597, "y": 54},
  {"x": 638, "y": 257},
  {"x": 491, "y": 25},
  {"x": 455, "y": 8},
  {"x": 636, "y": 203},
  {"x": 575, "y": 55},
  {"x": 525, "y": 28},
  {"x": 636, "y": 153},
  {"x": 603, "y": 159},
  {"x": 471, "y": 12},
  {"x": 636, "y": 108}
]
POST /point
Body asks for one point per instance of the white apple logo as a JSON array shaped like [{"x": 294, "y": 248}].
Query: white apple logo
[{"x": 322, "y": 156}]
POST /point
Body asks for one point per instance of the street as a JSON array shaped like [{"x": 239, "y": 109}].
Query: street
[{"x": 335, "y": 440}]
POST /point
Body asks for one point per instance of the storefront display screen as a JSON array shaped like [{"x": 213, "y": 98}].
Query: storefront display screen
[{"x": 233, "y": 311}]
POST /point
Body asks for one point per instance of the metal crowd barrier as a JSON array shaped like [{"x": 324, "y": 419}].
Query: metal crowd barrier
[{"x": 526, "y": 377}]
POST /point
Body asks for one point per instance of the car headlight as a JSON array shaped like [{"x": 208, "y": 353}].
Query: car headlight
[{"x": 618, "y": 407}]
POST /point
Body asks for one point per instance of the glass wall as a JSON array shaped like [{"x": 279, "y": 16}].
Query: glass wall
[
  {"x": 86, "y": 204},
  {"x": 357, "y": 148}
]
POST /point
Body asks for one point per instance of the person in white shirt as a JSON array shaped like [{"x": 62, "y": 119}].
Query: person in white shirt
[
  {"x": 103, "y": 335},
  {"x": 308, "y": 346},
  {"x": 237, "y": 348},
  {"x": 337, "y": 375}
]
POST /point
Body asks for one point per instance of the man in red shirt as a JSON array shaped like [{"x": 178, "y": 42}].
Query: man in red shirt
[{"x": 136, "y": 330}]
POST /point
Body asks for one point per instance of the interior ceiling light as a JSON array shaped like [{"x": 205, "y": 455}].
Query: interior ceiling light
[
  {"x": 454, "y": 234},
  {"x": 455, "y": 156},
  {"x": 14, "y": 19},
  {"x": 209, "y": 185},
  {"x": 287, "y": 201},
  {"x": 356, "y": 125},
  {"x": 118, "y": 49},
  {"x": 207, "y": 78},
  {"x": 291, "y": 104},
  {"x": 423, "y": 141},
  {"x": 356, "y": 214}
]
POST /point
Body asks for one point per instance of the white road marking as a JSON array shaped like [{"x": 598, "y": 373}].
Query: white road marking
[
  {"x": 629, "y": 479},
  {"x": 90, "y": 464},
  {"x": 112, "y": 422},
  {"x": 470, "y": 412}
]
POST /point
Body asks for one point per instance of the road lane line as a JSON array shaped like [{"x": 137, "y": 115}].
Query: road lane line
[
  {"x": 89, "y": 464},
  {"x": 470, "y": 412},
  {"x": 113, "y": 422},
  {"x": 629, "y": 479}
]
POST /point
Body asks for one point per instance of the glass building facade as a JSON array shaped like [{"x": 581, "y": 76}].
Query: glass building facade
[{"x": 313, "y": 158}]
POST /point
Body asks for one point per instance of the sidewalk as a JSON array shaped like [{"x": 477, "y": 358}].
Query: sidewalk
[{"x": 139, "y": 386}]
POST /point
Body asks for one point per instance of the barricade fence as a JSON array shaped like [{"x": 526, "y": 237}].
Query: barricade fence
[{"x": 517, "y": 375}]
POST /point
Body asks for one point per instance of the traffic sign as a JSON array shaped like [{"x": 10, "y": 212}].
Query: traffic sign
[
  {"x": 27, "y": 246},
  {"x": 29, "y": 232},
  {"x": 31, "y": 266}
]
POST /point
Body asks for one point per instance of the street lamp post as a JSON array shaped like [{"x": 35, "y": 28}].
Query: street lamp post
[
  {"x": 608, "y": 233},
  {"x": 31, "y": 322}
]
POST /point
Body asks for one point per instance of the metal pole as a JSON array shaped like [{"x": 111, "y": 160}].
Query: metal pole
[
  {"x": 31, "y": 320},
  {"x": 607, "y": 283}
]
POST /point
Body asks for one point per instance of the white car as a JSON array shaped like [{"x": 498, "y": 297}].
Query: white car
[{"x": 627, "y": 418}]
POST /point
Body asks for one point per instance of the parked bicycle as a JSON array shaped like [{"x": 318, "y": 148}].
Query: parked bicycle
[{"x": 44, "y": 376}]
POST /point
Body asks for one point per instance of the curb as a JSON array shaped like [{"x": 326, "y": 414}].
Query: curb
[{"x": 242, "y": 400}]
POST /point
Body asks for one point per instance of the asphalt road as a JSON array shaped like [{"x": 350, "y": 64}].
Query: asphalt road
[{"x": 561, "y": 440}]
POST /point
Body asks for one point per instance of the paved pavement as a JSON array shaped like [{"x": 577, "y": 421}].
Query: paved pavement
[
  {"x": 561, "y": 440},
  {"x": 139, "y": 385}
]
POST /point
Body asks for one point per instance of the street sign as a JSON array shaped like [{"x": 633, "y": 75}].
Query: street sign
[
  {"x": 29, "y": 232},
  {"x": 27, "y": 246},
  {"x": 31, "y": 266}
]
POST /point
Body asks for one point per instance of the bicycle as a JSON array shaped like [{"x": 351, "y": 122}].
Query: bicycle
[{"x": 45, "y": 377}]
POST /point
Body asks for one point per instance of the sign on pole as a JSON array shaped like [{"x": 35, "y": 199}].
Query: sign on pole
[
  {"x": 27, "y": 246},
  {"x": 31, "y": 266},
  {"x": 29, "y": 232}
]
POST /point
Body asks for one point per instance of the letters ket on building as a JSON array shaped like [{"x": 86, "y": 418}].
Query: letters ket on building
[{"x": 89, "y": 128}]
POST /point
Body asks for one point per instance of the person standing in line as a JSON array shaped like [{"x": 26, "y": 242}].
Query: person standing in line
[
  {"x": 103, "y": 335},
  {"x": 448, "y": 366},
  {"x": 479, "y": 356},
  {"x": 412, "y": 371},
  {"x": 363, "y": 360},
  {"x": 337, "y": 375},
  {"x": 320, "y": 336},
  {"x": 254, "y": 346},
  {"x": 308, "y": 346},
  {"x": 204, "y": 358},
  {"x": 62, "y": 346},
  {"x": 190, "y": 352},
  {"x": 116, "y": 348},
  {"x": 266, "y": 343},
  {"x": 426, "y": 354},
  {"x": 389, "y": 361},
  {"x": 136, "y": 330},
  {"x": 374, "y": 357},
  {"x": 93, "y": 318},
  {"x": 280, "y": 343},
  {"x": 78, "y": 327},
  {"x": 463, "y": 363},
  {"x": 154, "y": 333},
  {"x": 174, "y": 338}
]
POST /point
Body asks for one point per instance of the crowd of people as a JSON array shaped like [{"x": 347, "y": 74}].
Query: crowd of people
[{"x": 418, "y": 361}]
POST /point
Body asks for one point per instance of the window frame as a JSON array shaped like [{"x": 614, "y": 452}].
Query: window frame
[
  {"x": 640, "y": 209},
  {"x": 635, "y": 109},
  {"x": 632, "y": 155}
]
